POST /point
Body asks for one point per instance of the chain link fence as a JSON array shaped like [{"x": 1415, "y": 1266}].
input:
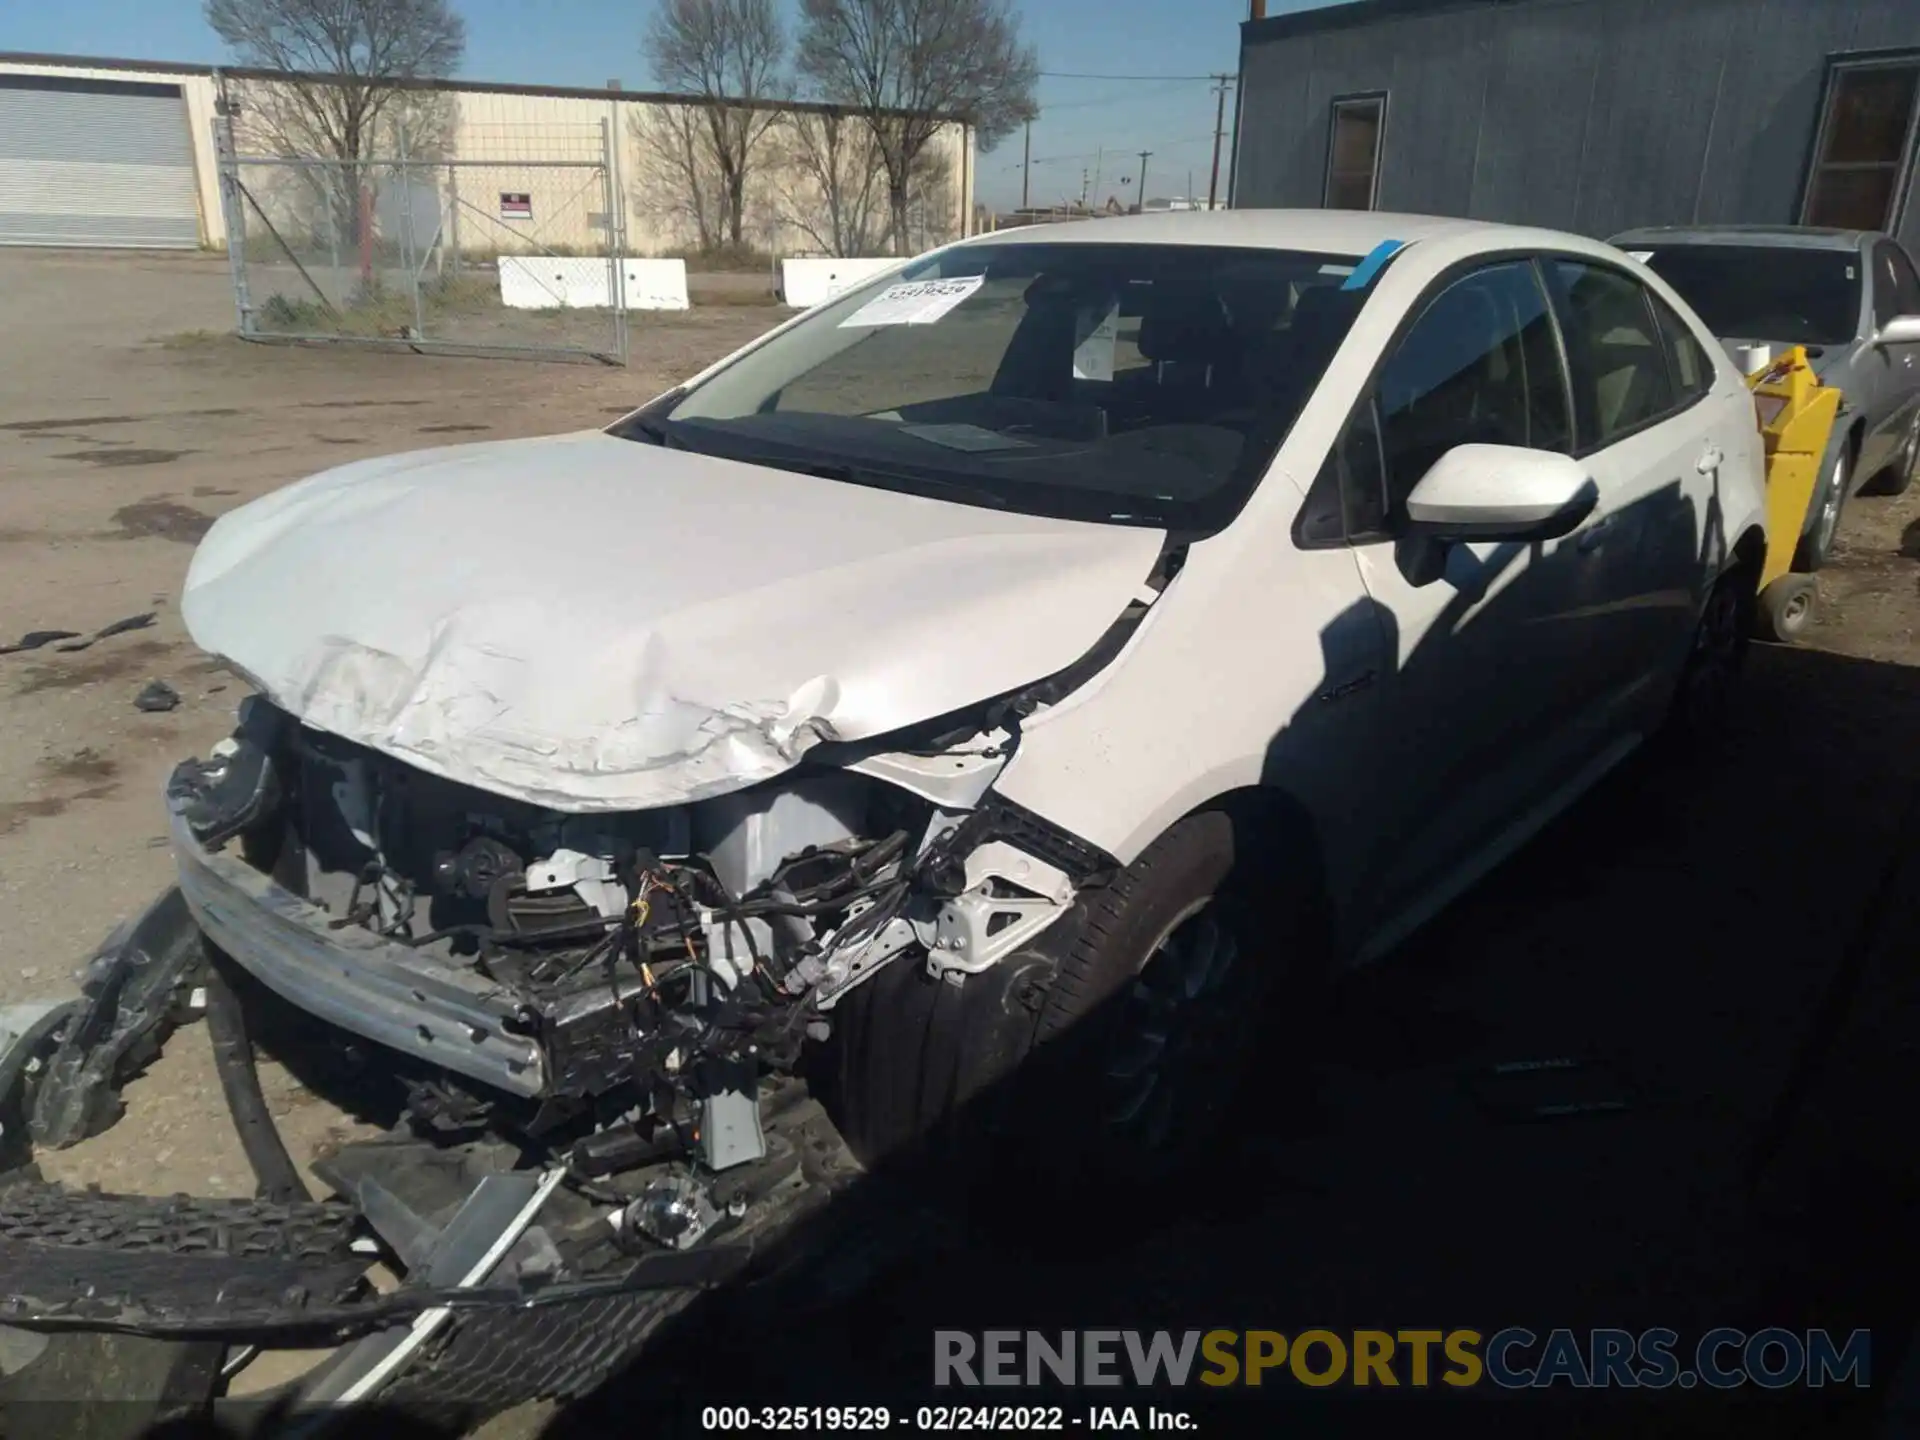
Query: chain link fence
[{"x": 513, "y": 247}]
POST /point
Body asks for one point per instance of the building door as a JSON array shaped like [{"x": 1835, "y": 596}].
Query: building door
[{"x": 93, "y": 162}]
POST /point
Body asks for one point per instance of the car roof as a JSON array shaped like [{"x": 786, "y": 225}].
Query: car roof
[
  {"x": 1785, "y": 237},
  {"x": 1329, "y": 232}
]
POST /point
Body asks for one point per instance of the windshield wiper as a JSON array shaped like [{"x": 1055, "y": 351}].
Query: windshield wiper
[
  {"x": 651, "y": 430},
  {"x": 877, "y": 478},
  {"x": 655, "y": 432}
]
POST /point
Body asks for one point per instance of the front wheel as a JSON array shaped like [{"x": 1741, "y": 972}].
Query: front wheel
[
  {"x": 1141, "y": 1018},
  {"x": 1828, "y": 501}
]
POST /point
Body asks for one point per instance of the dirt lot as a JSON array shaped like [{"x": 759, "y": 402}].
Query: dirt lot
[
  {"x": 129, "y": 422},
  {"x": 1729, "y": 949}
]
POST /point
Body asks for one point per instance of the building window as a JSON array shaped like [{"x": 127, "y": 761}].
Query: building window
[
  {"x": 1866, "y": 138},
  {"x": 1353, "y": 152}
]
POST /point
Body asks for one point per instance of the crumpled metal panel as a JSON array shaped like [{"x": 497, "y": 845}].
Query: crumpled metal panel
[{"x": 590, "y": 624}]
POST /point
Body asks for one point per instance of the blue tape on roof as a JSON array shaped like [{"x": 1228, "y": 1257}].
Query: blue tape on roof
[{"x": 1374, "y": 263}]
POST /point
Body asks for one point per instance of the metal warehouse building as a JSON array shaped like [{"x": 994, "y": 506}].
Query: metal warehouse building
[{"x": 1587, "y": 115}]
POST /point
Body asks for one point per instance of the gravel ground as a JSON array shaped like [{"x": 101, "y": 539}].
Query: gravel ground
[{"x": 129, "y": 423}]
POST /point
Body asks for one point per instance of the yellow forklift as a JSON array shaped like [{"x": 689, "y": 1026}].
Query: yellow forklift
[{"x": 1796, "y": 418}]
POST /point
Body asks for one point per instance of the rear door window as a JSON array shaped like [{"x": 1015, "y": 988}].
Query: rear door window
[{"x": 1615, "y": 351}]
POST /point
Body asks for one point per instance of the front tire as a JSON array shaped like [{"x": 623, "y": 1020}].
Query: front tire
[
  {"x": 1828, "y": 503},
  {"x": 1152, "y": 1018},
  {"x": 1118, "y": 1042}
]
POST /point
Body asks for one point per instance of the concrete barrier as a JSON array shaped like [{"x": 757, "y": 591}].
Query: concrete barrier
[
  {"x": 542, "y": 282},
  {"x": 806, "y": 283}
]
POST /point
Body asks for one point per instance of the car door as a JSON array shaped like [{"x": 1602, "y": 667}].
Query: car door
[
  {"x": 1486, "y": 639},
  {"x": 1730, "y": 420},
  {"x": 1891, "y": 372},
  {"x": 1653, "y": 437}
]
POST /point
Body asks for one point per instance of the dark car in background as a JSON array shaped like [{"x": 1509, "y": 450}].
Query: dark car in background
[{"x": 1853, "y": 299}]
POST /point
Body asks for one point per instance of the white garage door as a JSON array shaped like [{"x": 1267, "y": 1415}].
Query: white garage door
[{"x": 94, "y": 162}]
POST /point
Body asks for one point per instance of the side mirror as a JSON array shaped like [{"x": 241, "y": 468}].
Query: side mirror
[
  {"x": 1901, "y": 330},
  {"x": 1501, "y": 492}
]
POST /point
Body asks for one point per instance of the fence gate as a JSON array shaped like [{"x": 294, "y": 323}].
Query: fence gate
[{"x": 513, "y": 250}]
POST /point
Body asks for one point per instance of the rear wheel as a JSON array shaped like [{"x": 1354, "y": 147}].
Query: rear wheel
[
  {"x": 1704, "y": 698},
  {"x": 1897, "y": 477}
]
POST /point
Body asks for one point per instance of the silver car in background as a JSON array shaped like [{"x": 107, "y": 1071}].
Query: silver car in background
[{"x": 1852, "y": 298}]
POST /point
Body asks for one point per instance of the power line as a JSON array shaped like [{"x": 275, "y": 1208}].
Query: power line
[
  {"x": 1095, "y": 154},
  {"x": 1079, "y": 155},
  {"x": 1096, "y": 75},
  {"x": 1116, "y": 97}
]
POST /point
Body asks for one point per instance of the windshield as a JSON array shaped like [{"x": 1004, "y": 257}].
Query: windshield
[
  {"x": 1767, "y": 292},
  {"x": 1131, "y": 384}
]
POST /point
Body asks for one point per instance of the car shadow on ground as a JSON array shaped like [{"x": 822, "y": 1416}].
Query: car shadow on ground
[{"x": 1656, "y": 1071}]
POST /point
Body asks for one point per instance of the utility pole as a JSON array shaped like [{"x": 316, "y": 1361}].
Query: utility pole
[
  {"x": 1026, "y": 164},
  {"x": 1140, "y": 194},
  {"x": 1220, "y": 83},
  {"x": 1099, "y": 156}
]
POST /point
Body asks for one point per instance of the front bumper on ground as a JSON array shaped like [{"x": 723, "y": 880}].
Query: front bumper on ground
[
  {"x": 510, "y": 1322},
  {"x": 448, "y": 1018}
]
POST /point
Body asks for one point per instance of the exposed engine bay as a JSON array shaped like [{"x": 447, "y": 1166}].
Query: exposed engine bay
[
  {"x": 591, "y": 1033},
  {"x": 658, "y": 963}
]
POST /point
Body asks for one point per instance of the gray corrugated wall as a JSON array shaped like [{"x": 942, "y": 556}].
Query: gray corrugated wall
[{"x": 1587, "y": 115}]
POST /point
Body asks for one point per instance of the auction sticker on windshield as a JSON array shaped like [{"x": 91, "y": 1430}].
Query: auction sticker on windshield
[{"x": 914, "y": 302}]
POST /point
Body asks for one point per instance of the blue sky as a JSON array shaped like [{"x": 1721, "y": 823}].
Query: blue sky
[{"x": 1094, "y": 125}]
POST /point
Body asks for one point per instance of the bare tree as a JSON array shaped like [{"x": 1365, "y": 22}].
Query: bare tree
[
  {"x": 731, "y": 54},
  {"x": 908, "y": 66},
  {"x": 676, "y": 184},
  {"x": 931, "y": 206},
  {"x": 340, "y": 58},
  {"x": 830, "y": 187},
  {"x": 337, "y": 93}
]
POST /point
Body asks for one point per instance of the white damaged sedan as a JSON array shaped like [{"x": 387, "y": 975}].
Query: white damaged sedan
[{"x": 1044, "y": 650}]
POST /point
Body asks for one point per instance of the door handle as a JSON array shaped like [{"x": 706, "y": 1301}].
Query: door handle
[
  {"x": 1711, "y": 459},
  {"x": 1594, "y": 536}
]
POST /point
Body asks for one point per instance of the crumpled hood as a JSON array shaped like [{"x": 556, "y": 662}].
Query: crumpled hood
[{"x": 591, "y": 623}]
